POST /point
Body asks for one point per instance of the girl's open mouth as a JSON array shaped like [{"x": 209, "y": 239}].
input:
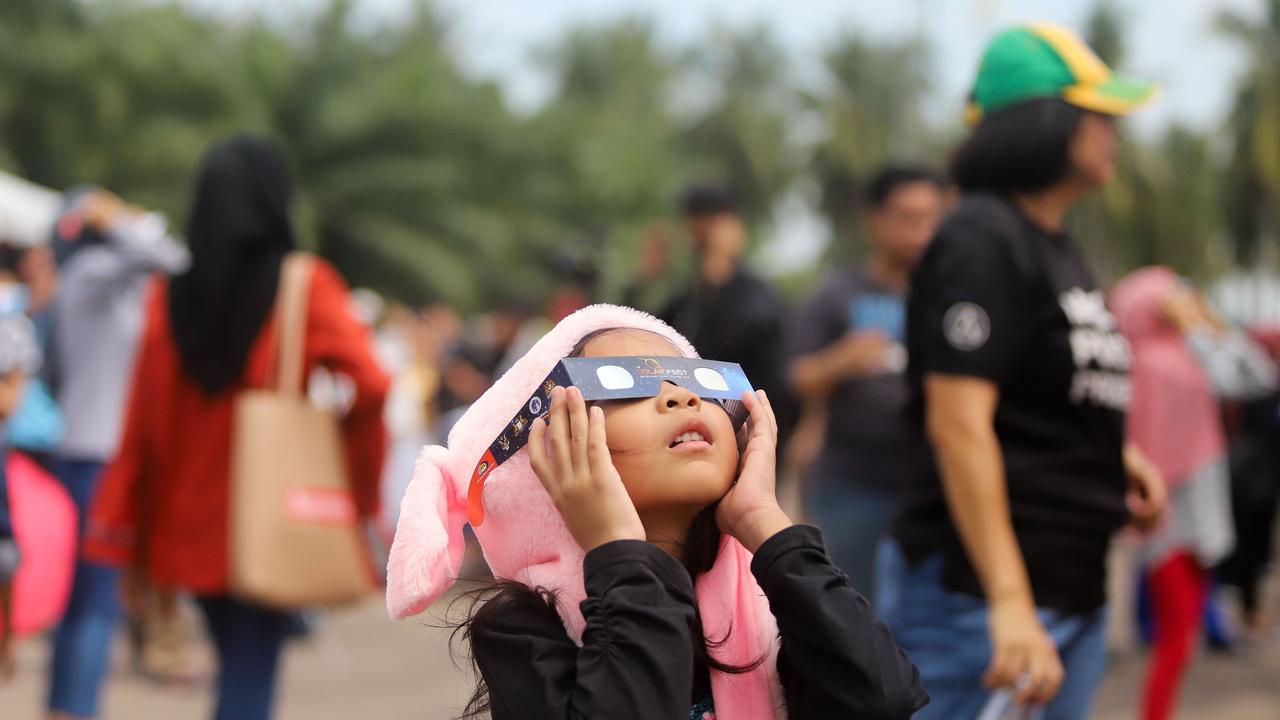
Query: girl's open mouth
[{"x": 693, "y": 436}]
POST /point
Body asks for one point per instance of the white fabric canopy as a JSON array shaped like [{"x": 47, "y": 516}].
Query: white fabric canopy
[{"x": 27, "y": 211}]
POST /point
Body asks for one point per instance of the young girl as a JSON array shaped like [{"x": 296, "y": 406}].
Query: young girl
[{"x": 624, "y": 535}]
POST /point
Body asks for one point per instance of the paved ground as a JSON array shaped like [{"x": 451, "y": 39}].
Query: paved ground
[{"x": 363, "y": 666}]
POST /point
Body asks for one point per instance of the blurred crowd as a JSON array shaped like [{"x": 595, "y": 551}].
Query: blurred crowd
[{"x": 125, "y": 345}]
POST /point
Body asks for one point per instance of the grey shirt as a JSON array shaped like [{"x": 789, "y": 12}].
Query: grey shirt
[
  {"x": 865, "y": 435},
  {"x": 99, "y": 316}
]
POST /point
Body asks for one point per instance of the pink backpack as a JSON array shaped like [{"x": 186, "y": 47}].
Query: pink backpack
[{"x": 44, "y": 525}]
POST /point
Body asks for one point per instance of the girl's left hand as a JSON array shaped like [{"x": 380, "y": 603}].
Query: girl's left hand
[{"x": 750, "y": 512}]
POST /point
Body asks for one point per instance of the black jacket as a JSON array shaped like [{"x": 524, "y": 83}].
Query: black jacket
[{"x": 637, "y": 661}]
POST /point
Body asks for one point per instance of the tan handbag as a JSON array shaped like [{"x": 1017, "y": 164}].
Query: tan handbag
[{"x": 296, "y": 539}]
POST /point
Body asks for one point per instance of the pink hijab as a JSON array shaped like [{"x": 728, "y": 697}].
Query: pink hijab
[
  {"x": 524, "y": 538},
  {"x": 1173, "y": 415}
]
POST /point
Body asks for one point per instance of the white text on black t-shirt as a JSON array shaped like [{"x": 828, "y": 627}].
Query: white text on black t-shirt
[{"x": 1100, "y": 352}]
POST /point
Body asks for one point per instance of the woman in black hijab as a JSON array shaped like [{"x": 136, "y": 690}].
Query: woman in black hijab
[
  {"x": 239, "y": 232},
  {"x": 163, "y": 505}
]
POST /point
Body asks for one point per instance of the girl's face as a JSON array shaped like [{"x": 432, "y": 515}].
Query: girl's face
[
  {"x": 674, "y": 451},
  {"x": 1093, "y": 149}
]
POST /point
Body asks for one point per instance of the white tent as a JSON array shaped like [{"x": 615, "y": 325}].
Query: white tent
[{"x": 27, "y": 211}]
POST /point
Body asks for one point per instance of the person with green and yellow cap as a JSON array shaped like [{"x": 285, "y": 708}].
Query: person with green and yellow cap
[{"x": 993, "y": 578}]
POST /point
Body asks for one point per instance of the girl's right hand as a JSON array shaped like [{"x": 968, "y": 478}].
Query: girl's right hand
[
  {"x": 1024, "y": 657},
  {"x": 572, "y": 461}
]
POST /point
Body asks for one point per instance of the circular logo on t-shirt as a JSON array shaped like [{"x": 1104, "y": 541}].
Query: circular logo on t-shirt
[{"x": 966, "y": 326}]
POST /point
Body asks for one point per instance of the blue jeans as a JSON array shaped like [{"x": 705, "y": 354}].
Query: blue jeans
[
  {"x": 82, "y": 640},
  {"x": 248, "y": 639},
  {"x": 853, "y": 519},
  {"x": 945, "y": 633}
]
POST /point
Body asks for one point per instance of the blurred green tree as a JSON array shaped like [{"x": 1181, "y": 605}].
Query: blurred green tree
[
  {"x": 117, "y": 94},
  {"x": 1104, "y": 31},
  {"x": 606, "y": 160},
  {"x": 401, "y": 162},
  {"x": 1253, "y": 176},
  {"x": 869, "y": 113},
  {"x": 418, "y": 180},
  {"x": 742, "y": 134},
  {"x": 1164, "y": 205}
]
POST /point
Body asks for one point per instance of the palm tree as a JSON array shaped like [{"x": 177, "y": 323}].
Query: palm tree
[
  {"x": 389, "y": 140},
  {"x": 1104, "y": 32},
  {"x": 1254, "y": 173},
  {"x": 742, "y": 137},
  {"x": 870, "y": 113}
]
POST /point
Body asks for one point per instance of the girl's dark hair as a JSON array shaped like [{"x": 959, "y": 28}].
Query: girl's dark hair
[
  {"x": 1021, "y": 148},
  {"x": 505, "y": 597},
  {"x": 581, "y": 346}
]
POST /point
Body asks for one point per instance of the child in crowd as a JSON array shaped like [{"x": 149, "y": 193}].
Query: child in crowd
[
  {"x": 645, "y": 568},
  {"x": 19, "y": 358}
]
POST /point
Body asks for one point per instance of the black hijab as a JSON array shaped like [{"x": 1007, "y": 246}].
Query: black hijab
[{"x": 239, "y": 233}]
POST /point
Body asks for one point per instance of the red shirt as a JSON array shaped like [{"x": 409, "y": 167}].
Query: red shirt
[{"x": 163, "y": 502}]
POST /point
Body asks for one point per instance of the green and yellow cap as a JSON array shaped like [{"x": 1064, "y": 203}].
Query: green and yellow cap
[{"x": 1046, "y": 60}]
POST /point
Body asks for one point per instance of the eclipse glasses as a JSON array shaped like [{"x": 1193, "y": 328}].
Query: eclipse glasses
[{"x": 612, "y": 378}]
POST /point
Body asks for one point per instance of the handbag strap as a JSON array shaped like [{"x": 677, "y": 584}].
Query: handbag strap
[{"x": 291, "y": 323}]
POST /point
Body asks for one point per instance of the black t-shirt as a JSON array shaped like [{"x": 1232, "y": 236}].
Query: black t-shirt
[
  {"x": 865, "y": 440},
  {"x": 999, "y": 298}
]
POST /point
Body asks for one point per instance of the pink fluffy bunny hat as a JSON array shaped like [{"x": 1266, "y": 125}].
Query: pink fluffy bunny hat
[{"x": 524, "y": 538}]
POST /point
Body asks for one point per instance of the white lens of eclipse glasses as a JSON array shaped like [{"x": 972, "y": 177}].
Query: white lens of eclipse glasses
[
  {"x": 612, "y": 377},
  {"x": 711, "y": 379}
]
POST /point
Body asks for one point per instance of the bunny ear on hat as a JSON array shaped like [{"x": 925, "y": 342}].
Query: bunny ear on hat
[{"x": 427, "y": 551}]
